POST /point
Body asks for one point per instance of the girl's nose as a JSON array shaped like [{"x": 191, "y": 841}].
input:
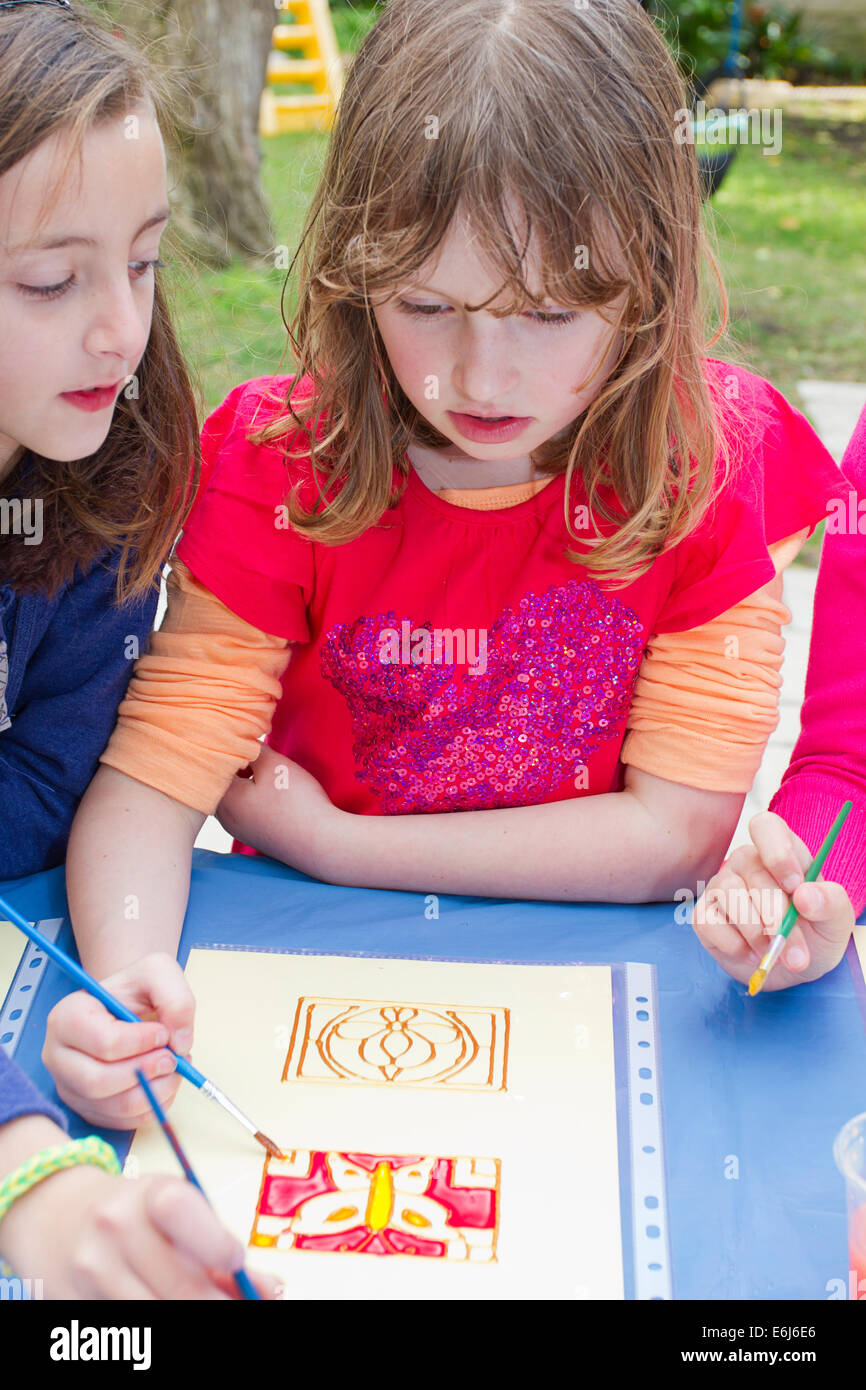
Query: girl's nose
[
  {"x": 119, "y": 324},
  {"x": 486, "y": 369}
]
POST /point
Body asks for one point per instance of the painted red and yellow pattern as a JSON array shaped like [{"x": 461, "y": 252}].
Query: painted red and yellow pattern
[{"x": 380, "y": 1204}]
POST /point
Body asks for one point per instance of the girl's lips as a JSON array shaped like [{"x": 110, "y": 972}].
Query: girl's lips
[
  {"x": 100, "y": 398},
  {"x": 490, "y": 431}
]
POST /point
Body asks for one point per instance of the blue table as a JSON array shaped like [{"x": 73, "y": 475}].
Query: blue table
[{"x": 754, "y": 1090}]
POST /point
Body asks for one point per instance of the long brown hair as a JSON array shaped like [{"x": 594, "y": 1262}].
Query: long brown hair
[
  {"x": 62, "y": 73},
  {"x": 575, "y": 109}
]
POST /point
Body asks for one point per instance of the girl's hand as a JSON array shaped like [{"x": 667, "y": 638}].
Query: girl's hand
[
  {"x": 88, "y": 1234},
  {"x": 93, "y": 1056},
  {"x": 284, "y": 812},
  {"x": 743, "y": 905}
]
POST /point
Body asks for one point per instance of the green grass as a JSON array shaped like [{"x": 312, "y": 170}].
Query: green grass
[
  {"x": 229, "y": 320},
  {"x": 352, "y": 21},
  {"x": 792, "y": 234}
]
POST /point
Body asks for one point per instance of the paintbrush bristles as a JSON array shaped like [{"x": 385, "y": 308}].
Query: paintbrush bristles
[{"x": 269, "y": 1144}]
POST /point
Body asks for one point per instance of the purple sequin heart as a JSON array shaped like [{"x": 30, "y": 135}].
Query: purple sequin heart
[{"x": 434, "y": 737}]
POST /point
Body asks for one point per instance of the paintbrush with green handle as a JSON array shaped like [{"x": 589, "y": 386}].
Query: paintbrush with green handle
[{"x": 756, "y": 983}]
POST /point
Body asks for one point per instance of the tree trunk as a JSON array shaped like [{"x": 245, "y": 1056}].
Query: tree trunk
[{"x": 219, "y": 49}]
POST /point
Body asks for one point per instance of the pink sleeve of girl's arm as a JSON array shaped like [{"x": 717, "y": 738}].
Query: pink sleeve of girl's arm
[{"x": 828, "y": 765}]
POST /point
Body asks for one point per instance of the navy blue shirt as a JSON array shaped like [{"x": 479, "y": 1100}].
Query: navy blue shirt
[
  {"x": 65, "y": 664},
  {"x": 18, "y": 1096}
]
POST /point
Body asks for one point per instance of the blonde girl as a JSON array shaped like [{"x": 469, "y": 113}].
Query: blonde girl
[{"x": 533, "y": 658}]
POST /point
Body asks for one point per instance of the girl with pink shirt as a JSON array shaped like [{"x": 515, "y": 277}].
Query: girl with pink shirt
[{"x": 827, "y": 767}]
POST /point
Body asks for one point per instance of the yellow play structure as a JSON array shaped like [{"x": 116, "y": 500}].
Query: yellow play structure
[{"x": 304, "y": 25}]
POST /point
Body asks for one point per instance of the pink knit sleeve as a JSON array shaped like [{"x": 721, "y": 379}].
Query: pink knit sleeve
[{"x": 828, "y": 765}]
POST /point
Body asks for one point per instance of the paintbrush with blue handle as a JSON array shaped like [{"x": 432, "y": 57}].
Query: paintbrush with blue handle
[
  {"x": 240, "y": 1276},
  {"x": 114, "y": 1006}
]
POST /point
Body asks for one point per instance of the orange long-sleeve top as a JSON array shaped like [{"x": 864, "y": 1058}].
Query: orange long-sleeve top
[{"x": 705, "y": 701}]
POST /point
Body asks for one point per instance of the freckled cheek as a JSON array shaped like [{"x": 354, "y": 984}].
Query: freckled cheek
[
  {"x": 557, "y": 366},
  {"x": 412, "y": 360},
  {"x": 596, "y": 352}
]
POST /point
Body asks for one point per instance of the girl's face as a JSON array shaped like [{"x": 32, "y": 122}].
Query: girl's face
[
  {"x": 515, "y": 366},
  {"x": 76, "y": 284}
]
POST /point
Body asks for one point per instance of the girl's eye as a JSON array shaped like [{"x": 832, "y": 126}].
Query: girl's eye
[
  {"x": 138, "y": 268},
  {"x": 555, "y": 320},
  {"x": 428, "y": 311},
  {"x": 142, "y": 267},
  {"x": 46, "y": 291},
  {"x": 538, "y": 316}
]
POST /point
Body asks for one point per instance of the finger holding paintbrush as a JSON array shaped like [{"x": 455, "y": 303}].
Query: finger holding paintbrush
[
  {"x": 745, "y": 901},
  {"x": 93, "y": 1056},
  {"x": 759, "y": 977},
  {"x": 128, "y": 1104},
  {"x": 244, "y": 1284}
]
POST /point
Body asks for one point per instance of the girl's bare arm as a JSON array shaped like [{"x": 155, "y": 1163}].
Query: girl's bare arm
[
  {"x": 637, "y": 845},
  {"x": 128, "y": 870}
]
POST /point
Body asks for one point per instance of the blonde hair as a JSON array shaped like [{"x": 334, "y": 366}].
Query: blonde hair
[{"x": 576, "y": 110}]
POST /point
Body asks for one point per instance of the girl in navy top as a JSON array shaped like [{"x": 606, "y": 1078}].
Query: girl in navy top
[
  {"x": 98, "y": 429},
  {"x": 98, "y": 443}
]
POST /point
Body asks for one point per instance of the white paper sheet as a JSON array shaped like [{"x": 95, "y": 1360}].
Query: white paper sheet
[
  {"x": 860, "y": 943},
  {"x": 13, "y": 944},
  {"x": 529, "y": 1101}
]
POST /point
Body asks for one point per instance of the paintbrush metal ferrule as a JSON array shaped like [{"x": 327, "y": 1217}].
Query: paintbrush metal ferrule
[
  {"x": 770, "y": 957},
  {"x": 214, "y": 1092},
  {"x": 209, "y": 1089}
]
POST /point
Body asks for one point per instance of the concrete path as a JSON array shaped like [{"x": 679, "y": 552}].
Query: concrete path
[{"x": 833, "y": 408}]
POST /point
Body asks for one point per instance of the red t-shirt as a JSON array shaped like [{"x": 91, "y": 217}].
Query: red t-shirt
[{"x": 452, "y": 659}]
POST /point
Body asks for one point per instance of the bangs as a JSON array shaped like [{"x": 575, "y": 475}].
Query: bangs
[
  {"x": 566, "y": 233},
  {"x": 510, "y": 142}
]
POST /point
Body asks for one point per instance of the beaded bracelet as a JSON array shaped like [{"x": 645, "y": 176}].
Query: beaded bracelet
[{"x": 48, "y": 1161}]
